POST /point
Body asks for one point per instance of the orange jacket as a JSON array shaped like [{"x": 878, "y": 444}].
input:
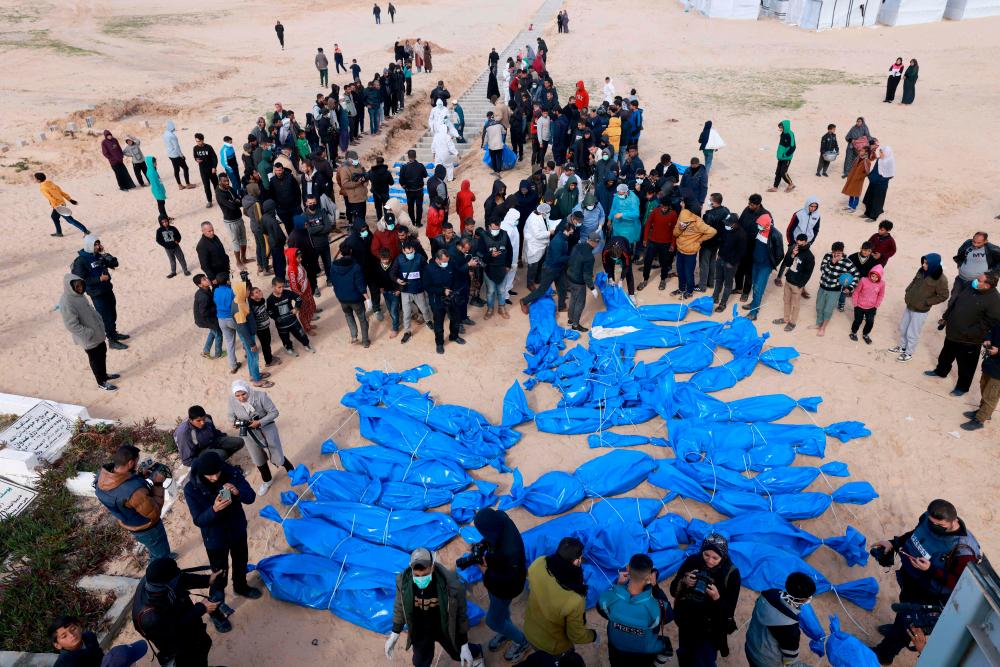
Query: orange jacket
[{"x": 53, "y": 193}]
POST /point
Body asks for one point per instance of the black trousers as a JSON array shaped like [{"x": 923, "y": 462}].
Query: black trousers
[
  {"x": 219, "y": 559},
  {"x": 897, "y": 638},
  {"x": 355, "y": 211},
  {"x": 454, "y": 312},
  {"x": 98, "y": 358},
  {"x": 496, "y": 160},
  {"x": 139, "y": 169},
  {"x": 544, "y": 282},
  {"x": 967, "y": 358},
  {"x": 379, "y": 201},
  {"x": 423, "y": 650},
  {"x": 107, "y": 307},
  {"x": 660, "y": 252},
  {"x": 208, "y": 181},
  {"x": 781, "y": 172},
  {"x": 286, "y": 336},
  {"x": 744, "y": 272},
  {"x": 339, "y": 62},
  {"x": 264, "y": 339},
  {"x": 180, "y": 164},
  {"x": 866, "y": 314},
  {"x": 415, "y": 206}
]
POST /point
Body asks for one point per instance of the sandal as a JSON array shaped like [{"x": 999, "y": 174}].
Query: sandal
[{"x": 263, "y": 384}]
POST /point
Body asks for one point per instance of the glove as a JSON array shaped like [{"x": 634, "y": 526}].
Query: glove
[
  {"x": 73, "y": 202},
  {"x": 465, "y": 655},
  {"x": 594, "y": 292},
  {"x": 390, "y": 643},
  {"x": 631, "y": 297}
]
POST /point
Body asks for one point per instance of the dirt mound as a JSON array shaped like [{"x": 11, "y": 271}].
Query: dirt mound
[{"x": 118, "y": 110}]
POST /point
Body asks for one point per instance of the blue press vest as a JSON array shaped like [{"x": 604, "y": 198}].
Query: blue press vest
[
  {"x": 923, "y": 542},
  {"x": 633, "y": 621},
  {"x": 115, "y": 500}
]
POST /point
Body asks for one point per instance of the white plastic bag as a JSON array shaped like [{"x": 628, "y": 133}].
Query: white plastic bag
[{"x": 715, "y": 141}]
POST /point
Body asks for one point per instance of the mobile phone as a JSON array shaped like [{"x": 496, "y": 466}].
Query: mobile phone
[{"x": 225, "y": 494}]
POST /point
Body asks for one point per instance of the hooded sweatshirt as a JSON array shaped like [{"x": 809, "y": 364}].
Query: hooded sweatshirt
[
  {"x": 690, "y": 231},
  {"x": 348, "y": 281},
  {"x": 582, "y": 97},
  {"x": 869, "y": 293},
  {"x": 804, "y": 222},
  {"x": 928, "y": 288},
  {"x": 464, "y": 200},
  {"x": 507, "y": 569},
  {"x": 111, "y": 149},
  {"x": 155, "y": 183},
  {"x": 786, "y": 143},
  {"x": 90, "y": 266},
  {"x": 171, "y": 142},
  {"x": 79, "y": 316}
]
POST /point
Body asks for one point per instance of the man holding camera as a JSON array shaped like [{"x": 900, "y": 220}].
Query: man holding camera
[
  {"x": 215, "y": 496},
  {"x": 636, "y": 609},
  {"x": 500, "y": 556},
  {"x": 773, "y": 635},
  {"x": 441, "y": 283},
  {"x": 932, "y": 557},
  {"x": 132, "y": 501},
  {"x": 92, "y": 264},
  {"x": 197, "y": 434},
  {"x": 430, "y": 602},
  {"x": 164, "y": 615}
]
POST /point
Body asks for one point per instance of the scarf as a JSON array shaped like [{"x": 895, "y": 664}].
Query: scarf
[
  {"x": 765, "y": 222},
  {"x": 887, "y": 162},
  {"x": 567, "y": 575},
  {"x": 857, "y": 132}
]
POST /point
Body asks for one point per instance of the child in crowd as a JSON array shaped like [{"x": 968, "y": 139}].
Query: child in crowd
[{"x": 867, "y": 298}]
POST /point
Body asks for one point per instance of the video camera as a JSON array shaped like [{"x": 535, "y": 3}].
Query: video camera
[
  {"x": 149, "y": 467},
  {"x": 480, "y": 550},
  {"x": 923, "y": 616},
  {"x": 883, "y": 557}
]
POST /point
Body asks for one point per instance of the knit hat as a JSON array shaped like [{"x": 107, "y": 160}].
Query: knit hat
[
  {"x": 161, "y": 570},
  {"x": 209, "y": 463},
  {"x": 800, "y": 585},
  {"x": 717, "y": 543},
  {"x": 595, "y": 237}
]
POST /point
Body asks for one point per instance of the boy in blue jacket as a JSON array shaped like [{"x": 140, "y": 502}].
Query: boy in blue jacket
[{"x": 636, "y": 609}]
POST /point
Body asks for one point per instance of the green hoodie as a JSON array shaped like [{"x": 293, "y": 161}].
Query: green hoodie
[{"x": 786, "y": 144}]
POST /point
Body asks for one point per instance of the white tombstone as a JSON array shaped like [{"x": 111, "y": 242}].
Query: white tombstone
[
  {"x": 43, "y": 431},
  {"x": 40, "y": 136},
  {"x": 89, "y": 120}
]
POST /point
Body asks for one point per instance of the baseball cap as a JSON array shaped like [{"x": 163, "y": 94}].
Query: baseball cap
[
  {"x": 125, "y": 655},
  {"x": 422, "y": 557}
]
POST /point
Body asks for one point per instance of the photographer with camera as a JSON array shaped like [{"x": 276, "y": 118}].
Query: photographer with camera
[
  {"x": 197, "y": 434},
  {"x": 440, "y": 283},
  {"x": 773, "y": 635},
  {"x": 706, "y": 590},
  {"x": 215, "y": 495},
  {"x": 989, "y": 382},
  {"x": 932, "y": 557},
  {"x": 500, "y": 556},
  {"x": 165, "y": 616},
  {"x": 637, "y": 609},
  {"x": 134, "y": 500},
  {"x": 93, "y": 265},
  {"x": 430, "y": 603},
  {"x": 254, "y": 414}
]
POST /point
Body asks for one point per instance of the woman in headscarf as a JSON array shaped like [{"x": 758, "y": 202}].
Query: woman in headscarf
[
  {"x": 703, "y": 139},
  {"x": 895, "y": 74},
  {"x": 418, "y": 55},
  {"x": 882, "y": 171},
  {"x": 910, "y": 82},
  {"x": 427, "y": 57},
  {"x": 855, "y": 182},
  {"x": 444, "y": 150},
  {"x": 706, "y": 591},
  {"x": 156, "y": 186},
  {"x": 858, "y": 130},
  {"x": 299, "y": 283},
  {"x": 259, "y": 131},
  {"x": 112, "y": 152},
  {"x": 784, "y": 153},
  {"x": 492, "y": 87},
  {"x": 262, "y": 441}
]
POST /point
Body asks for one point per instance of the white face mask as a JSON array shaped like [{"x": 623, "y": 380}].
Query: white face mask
[
  {"x": 590, "y": 208},
  {"x": 494, "y": 232},
  {"x": 443, "y": 265},
  {"x": 354, "y": 162},
  {"x": 638, "y": 181}
]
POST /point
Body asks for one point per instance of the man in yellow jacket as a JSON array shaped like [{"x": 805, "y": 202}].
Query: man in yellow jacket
[
  {"x": 58, "y": 199},
  {"x": 555, "y": 620},
  {"x": 689, "y": 233}
]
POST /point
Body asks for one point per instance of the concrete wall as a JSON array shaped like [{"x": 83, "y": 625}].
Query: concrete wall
[
  {"x": 911, "y": 12},
  {"x": 971, "y": 9}
]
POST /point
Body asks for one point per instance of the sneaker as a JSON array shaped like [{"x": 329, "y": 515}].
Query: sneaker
[
  {"x": 496, "y": 642},
  {"x": 744, "y": 296},
  {"x": 250, "y": 593},
  {"x": 721, "y": 307},
  {"x": 747, "y": 306},
  {"x": 292, "y": 351},
  {"x": 406, "y": 336},
  {"x": 171, "y": 275},
  {"x": 840, "y": 307},
  {"x": 676, "y": 292},
  {"x": 107, "y": 386},
  {"x": 580, "y": 328},
  {"x": 468, "y": 322},
  {"x": 686, "y": 295},
  {"x": 642, "y": 285},
  {"x": 222, "y": 625},
  {"x": 459, "y": 340},
  {"x": 700, "y": 289},
  {"x": 867, "y": 339},
  {"x": 897, "y": 349},
  {"x": 440, "y": 349},
  {"x": 207, "y": 355},
  {"x": 477, "y": 302},
  {"x": 958, "y": 392},
  {"x": 853, "y": 336},
  {"x": 119, "y": 336},
  {"x": 904, "y": 357},
  {"x": 114, "y": 376},
  {"x": 116, "y": 345},
  {"x": 311, "y": 349},
  {"x": 971, "y": 425},
  {"x": 515, "y": 652},
  {"x": 57, "y": 235},
  {"x": 263, "y": 488},
  {"x": 274, "y": 362},
  {"x": 379, "y": 316},
  {"x": 932, "y": 373},
  {"x": 780, "y": 320},
  {"x": 663, "y": 284}
]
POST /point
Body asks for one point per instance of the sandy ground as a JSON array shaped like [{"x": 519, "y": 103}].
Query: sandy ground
[{"x": 194, "y": 63}]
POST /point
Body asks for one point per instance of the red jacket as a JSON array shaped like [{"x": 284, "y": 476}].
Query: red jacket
[
  {"x": 659, "y": 227},
  {"x": 884, "y": 245},
  {"x": 385, "y": 238},
  {"x": 463, "y": 202},
  {"x": 582, "y": 96}
]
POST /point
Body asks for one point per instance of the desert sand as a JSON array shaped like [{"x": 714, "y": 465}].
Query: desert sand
[{"x": 194, "y": 62}]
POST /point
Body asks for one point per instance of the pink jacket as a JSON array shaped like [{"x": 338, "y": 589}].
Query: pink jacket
[{"x": 868, "y": 293}]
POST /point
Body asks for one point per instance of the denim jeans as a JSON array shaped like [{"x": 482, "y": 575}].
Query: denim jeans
[
  {"x": 392, "y": 303},
  {"x": 248, "y": 342},
  {"x": 761, "y": 272},
  {"x": 214, "y": 335},
  {"x": 853, "y": 202},
  {"x": 685, "y": 271},
  {"x": 709, "y": 153},
  {"x": 498, "y": 620},
  {"x": 494, "y": 293},
  {"x": 56, "y": 216},
  {"x": 155, "y": 541},
  {"x": 373, "y": 119}
]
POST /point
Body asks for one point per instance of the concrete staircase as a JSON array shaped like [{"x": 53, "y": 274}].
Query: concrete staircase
[{"x": 474, "y": 102}]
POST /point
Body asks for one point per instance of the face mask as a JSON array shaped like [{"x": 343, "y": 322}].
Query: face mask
[
  {"x": 618, "y": 261},
  {"x": 409, "y": 255},
  {"x": 385, "y": 266},
  {"x": 444, "y": 265},
  {"x": 311, "y": 209},
  {"x": 625, "y": 196},
  {"x": 639, "y": 181},
  {"x": 354, "y": 162},
  {"x": 390, "y": 227},
  {"x": 590, "y": 208},
  {"x": 936, "y": 529},
  {"x": 494, "y": 232},
  {"x": 729, "y": 228},
  {"x": 975, "y": 285},
  {"x": 760, "y": 228},
  {"x": 364, "y": 234},
  {"x": 605, "y": 157},
  {"x": 422, "y": 582}
]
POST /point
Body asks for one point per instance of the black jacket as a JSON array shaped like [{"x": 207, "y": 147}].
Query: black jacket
[
  {"x": 230, "y": 203},
  {"x": 732, "y": 242},
  {"x": 272, "y": 227},
  {"x": 800, "y": 267},
  {"x": 716, "y": 219},
  {"x": 212, "y": 256},
  {"x": 228, "y": 525},
  {"x": 992, "y": 255},
  {"x": 828, "y": 144},
  {"x": 436, "y": 281},
  {"x": 580, "y": 269},
  {"x": 412, "y": 175},
  {"x": 971, "y": 315},
  {"x": 204, "y": 310},
  {"x": 863, "y": 264},
  {"x": 506, "y": 568},
  {"x": 748, "y": 221},
  {"x": 380, "y": 178},
  {"x": 712, "y": 620},
  {"x": 286, "y": 191},
  {"x": 171, "y": 621}
]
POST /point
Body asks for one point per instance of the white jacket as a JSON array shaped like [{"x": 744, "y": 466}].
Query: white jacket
[
  {"x": 536, "y": 237},
  {"x": 509, "y": 225}
]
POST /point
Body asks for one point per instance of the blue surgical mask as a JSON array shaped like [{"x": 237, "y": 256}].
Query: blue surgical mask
[
  {"x": 444, "y": 265},
  {"x": 975, "y": 283},
  {"x": 390, "y": 227},
  {"x": 422, "y": 582},
  {"x": 409, "y": 255},
  {"x": 364, "y": 234}
]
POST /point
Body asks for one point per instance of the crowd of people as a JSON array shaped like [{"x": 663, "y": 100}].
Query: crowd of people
[{"x": 303, "y": 190}]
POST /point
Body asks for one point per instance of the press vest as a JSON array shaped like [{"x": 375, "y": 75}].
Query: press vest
[
  {"x": 116, "y": 498},
  {"x": 939, "y": 550},
  {"x": 633, "y": 621}
]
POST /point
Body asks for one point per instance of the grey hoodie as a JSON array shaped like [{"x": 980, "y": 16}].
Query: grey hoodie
[
  {"x": 171, "y": 142},
  {"x": 79, "y": 316},
  {"x": 133, "y": 151}
]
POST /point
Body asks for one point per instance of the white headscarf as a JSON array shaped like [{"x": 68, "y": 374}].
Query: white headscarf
[
  {"x": 886, "y": 163},
  {"x": 806, "y": 221},
  {"x": 240, "y": 385}
]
